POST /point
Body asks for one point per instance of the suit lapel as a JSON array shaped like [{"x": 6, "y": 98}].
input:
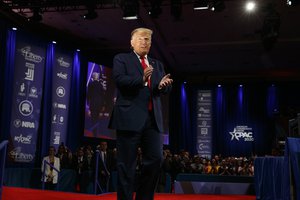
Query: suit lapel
[
  {"x": 152, "y": 62},
  {"x": 137, "y": 63}
]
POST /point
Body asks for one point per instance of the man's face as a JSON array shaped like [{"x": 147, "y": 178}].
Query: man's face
[
  {"x": 141, "y": 43},
  {"x": 103, "y": 146}
]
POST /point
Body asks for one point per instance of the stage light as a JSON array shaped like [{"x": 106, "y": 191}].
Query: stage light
[
  {"x": 250, "y": 6},
  {"x": 53, "y": 42},
  {"x": 219, "y": 86},
  {"x": 241, "y": 85},
  {"x": 78, "y": 50},
  {"x": 155, "y": 9},
  {"x": 217, "y": 5},
  {"x": 292, "y": 2},
  {"x": 201, "y": 5},
  {"x": 14, "y": 28},
  {"x": 130, "y": 9}
]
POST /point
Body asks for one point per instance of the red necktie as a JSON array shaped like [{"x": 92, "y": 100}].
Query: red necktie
[{"x": 144, "y": 65}]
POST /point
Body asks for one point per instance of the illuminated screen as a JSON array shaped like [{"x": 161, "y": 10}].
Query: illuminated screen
[
  {"x": 100, "y": 98},
  {"x": 100, "y": 94}
]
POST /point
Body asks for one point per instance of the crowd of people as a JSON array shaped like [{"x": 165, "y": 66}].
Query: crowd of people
[
  {"x": 217, "y": 165},
  {"x": 84, "y": 160}
]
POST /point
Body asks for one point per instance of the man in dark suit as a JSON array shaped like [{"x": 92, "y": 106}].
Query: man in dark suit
[
  {"x": 95, "y": 97},
  {"x": 137, "y": 116},
  {"x": 104, "y": 166}
]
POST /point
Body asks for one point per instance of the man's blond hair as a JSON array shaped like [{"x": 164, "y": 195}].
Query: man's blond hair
[{"x": 142, "y": 30}]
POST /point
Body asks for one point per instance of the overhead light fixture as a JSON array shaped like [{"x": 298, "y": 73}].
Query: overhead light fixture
[
  {"x": 217, "y": 5},
  {"x": 250, "y": 6},
  {"x": 201, "y": 5},
  {"x": 130, "y": 9},
  {"x": 292, "y": 2}
]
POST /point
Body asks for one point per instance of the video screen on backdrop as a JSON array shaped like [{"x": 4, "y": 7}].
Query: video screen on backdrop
[{"x": 100, "y": 98}]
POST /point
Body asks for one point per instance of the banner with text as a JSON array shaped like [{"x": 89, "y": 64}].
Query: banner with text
[
  {"x": 204, "y": 123},
  {"x": 27, "y": 96},
  {"x": 61, "y": 86}
]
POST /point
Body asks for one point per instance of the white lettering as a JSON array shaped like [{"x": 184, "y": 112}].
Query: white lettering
[
  {"x": 28, "y": 124},
  {"x": 23, "y": 140},
  {"x": 26, "y": 52},
  {"x": 242, "y": 132}
]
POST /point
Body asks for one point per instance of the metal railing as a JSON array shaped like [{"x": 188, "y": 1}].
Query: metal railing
[
  {"x": 3, "y": 147},
  {"x": 44, "y": 173}
]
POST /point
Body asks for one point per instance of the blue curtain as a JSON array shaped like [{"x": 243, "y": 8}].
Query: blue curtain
[
  {"x": 240, "y": 106},
  {"x": 220, "y": 116},
  {"x": 77, "y": 99},
  {"x": 2, "y": 60},
  {"x": 291, "y": 177},
  {"x": 76, "y": 114},
  {"x": 175, "y": 119},
  {"x": 183, "y": 134},
  {"x": 188, "y": 136},
  {"x": 44, "y": 134},
  {"x": 7, "y": 84},
  {"x": 272, "y": 100},
  {"x": 233, "y": 106},
  {"x": 269, "y": 178}
]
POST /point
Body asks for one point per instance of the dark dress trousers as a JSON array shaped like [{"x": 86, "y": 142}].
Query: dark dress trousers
[{"x": 136, "y": 125}]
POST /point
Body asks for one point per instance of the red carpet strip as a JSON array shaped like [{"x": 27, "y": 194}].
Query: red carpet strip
[{"x": 14, "y": 193}]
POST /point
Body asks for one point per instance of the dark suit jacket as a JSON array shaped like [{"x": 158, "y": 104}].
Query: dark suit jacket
[{"x": 131, "y": 107}]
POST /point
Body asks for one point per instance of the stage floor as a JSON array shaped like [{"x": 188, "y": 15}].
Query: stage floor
[{"x": 14, "y": 193}]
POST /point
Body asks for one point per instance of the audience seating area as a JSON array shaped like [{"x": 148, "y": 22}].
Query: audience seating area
[{"x": 275, "y": 178}]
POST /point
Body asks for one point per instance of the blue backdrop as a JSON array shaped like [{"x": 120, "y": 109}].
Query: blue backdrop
[
  {"x": 43, "y": 90},
  {"x": 244, "y": 117}
]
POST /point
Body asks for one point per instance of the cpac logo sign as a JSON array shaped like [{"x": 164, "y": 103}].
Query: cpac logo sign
[{"x": 242, "y": 132}]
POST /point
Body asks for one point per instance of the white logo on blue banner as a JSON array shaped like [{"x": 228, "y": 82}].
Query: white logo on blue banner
[
  {"x": 25, "y": 108},
  {"x": 27, "y": 93},
  {"x": 62, "y": 73},
  {"x": 204, "y": 121},
  {"x": 60, "y": 91}
]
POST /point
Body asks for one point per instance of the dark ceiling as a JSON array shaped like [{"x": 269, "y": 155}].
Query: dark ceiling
[{"x": 229, "y": 43}]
